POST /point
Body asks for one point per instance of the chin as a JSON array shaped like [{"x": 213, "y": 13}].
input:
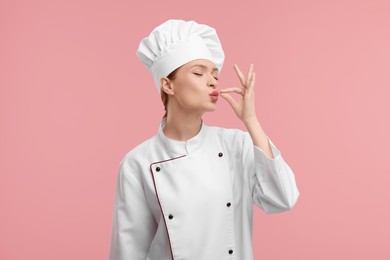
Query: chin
[
  {"x": 208, "y": 107},
  {"x": 211, "y": 108}
]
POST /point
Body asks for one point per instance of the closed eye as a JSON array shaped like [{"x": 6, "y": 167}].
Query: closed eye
[{"x": 202, "y": 74}]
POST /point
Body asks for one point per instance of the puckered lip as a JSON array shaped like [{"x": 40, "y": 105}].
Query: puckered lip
[{"x": 214, "y": 93}]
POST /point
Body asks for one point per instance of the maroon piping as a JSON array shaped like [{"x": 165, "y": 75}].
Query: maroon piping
[{"x": 158, "y": 199}]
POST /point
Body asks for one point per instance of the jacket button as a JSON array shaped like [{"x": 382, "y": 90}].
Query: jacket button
[
  {"x": 170, "y": 216},
  {"x": 230, "y": 251},
  {"x": 158, "y": 169},
  {"x": 228, "y": 204},
  {"x": 220, "y": 154}
]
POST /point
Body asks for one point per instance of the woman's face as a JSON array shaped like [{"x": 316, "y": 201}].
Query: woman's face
[{"x": 193, "y": 85}]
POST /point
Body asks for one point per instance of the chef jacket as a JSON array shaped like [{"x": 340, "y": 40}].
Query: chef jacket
[{"x": 193, "y": 200}]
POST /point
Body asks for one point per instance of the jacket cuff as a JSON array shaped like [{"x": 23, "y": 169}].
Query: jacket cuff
[{"x": 264, "y": 160}]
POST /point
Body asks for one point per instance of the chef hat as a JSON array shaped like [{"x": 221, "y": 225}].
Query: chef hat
[{"x": 176, "y": 42}]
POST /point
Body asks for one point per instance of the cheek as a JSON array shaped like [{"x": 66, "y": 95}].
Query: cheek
[{"x": 190, "y": 93}]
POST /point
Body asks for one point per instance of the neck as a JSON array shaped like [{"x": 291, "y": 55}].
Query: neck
[{"x": 182, "y": 125}]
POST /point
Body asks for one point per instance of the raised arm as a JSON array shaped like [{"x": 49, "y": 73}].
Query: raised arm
[{"x": 271, "y": 181}]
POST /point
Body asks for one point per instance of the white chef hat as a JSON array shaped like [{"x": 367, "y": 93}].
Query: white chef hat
[{"x": 176, "y": 42}]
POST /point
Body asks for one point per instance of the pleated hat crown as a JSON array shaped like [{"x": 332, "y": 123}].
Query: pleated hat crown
[{"x": 176, "y": 42}]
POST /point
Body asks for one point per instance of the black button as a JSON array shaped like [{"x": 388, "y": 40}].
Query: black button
[
  {"x": 230, "y": 251},
  {"x": 220, "y": 154},
  {"x": 158, "y": 169},
  {"x": 170, "y": 216},
  {"x": 228, "y": 204}
]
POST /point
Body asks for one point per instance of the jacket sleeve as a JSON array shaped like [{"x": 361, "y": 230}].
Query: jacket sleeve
[
  {"x": 133, "y": 225},
  {"x": 271, "y": 181}
]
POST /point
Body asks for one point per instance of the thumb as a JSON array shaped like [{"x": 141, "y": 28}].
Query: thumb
[{"x": 229, "y": 99}]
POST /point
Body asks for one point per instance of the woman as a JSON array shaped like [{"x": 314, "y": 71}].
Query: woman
[{"x": 188, "y": 192}]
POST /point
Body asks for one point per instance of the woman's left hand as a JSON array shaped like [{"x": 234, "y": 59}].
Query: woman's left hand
[{"x": 244, "y": 108}]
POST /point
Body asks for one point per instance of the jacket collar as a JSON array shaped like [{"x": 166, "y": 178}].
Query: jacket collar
[{"x": 177, "y": 147}]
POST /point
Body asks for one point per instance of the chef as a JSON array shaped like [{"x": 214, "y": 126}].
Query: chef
[{"x": 188, "y": 192}]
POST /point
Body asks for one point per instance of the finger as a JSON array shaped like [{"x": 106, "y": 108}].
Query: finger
[
  {"x": 240, "y": 75},
  {"x": 249, "y": 76},
  {"x": 252, "y": 81},
  {"x": 237, "y": 90},
  {"x": 230, "y": 100}
]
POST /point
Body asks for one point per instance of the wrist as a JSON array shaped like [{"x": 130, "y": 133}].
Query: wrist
[{"x": 251, "y": 123}]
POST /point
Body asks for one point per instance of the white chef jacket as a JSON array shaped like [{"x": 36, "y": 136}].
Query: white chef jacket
[{"x": 193, "y": 200}]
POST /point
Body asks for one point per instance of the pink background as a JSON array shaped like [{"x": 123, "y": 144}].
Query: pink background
[{"x": 74, "y": 98}]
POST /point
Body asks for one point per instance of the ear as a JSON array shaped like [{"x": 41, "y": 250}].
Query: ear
[{"x": 167, "y": 86}]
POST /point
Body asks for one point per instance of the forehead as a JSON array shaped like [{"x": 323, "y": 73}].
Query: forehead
[{"x": 204, "y": 64}]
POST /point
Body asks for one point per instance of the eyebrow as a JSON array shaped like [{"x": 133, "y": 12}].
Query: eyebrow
[{"x": 205, "y": 67}]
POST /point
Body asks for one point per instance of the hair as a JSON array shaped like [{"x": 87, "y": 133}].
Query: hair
[{"x": 164, "y": 96}]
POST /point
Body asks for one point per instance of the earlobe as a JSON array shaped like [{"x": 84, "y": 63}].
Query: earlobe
[{"x": 166, "y": 86}]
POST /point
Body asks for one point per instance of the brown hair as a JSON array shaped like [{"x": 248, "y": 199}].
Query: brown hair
[{"x": 164, "y": 96}]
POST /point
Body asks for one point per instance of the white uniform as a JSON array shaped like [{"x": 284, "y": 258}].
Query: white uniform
[{"x": 193, "y": 200}]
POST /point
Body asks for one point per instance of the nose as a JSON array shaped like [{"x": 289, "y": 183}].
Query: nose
[{"x": 213, "y": 82}]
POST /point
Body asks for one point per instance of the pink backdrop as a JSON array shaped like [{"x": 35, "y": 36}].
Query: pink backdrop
[{"x": 74, "y": 98}]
